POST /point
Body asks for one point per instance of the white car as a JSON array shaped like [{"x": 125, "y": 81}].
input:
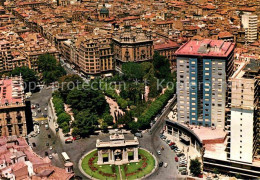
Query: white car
[
  {"x": 50, "y": 156},
  {"x": 177, "y": 151},
  {"x": 50, "y": 147},
  {"x": 165, "y": 165},
  {"x": 159, "y": 152}
]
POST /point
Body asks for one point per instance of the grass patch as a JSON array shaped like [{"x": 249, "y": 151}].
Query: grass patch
[
  {"x": 129, "y": 171},
  {"x": 104, "y": 168},
  {"x": 136, "y": 169}
]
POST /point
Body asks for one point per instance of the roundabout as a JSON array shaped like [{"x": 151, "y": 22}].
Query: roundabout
[{"x": 133, "y": 170}]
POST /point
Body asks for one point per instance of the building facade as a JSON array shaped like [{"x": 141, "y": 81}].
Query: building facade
[
  {"x": 243, "y": 124},
  {"x": 12, "y": 107},
  {"x": 132, "y": 46},
  {"x": 249, "y": 22},
  {"x": 203, "y": 68},
  {"x": 92, "y": 56},
  {"x": 118, "y": 150}
]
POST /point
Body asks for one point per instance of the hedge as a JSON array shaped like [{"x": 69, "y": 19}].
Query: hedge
[
  {"x": 60, "y": 112},
  {"x": 155, "y": 107}
]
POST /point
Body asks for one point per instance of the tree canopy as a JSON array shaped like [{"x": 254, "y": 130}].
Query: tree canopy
[
  {"x": 195, "y": 167},
  {"x": 29, "y": 77},
  {"x": 50, "y": 68}
]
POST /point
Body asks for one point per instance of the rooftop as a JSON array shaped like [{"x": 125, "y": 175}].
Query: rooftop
[
  {"x": 11, "y": 90},
  {"x": 206, "y": 47}
]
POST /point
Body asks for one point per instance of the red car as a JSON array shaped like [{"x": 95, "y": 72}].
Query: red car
[
  {"x": 76, "y": 138},
  {"x": 176, "y": 159},
  {"x": 172, "y": 143},
  {"x": 69, "y": 140}
]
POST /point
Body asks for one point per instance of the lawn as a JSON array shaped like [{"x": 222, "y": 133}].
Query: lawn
[
  {"x": 104, "y": 168},
  {"x": 134, "y": 167},
  {"x": 129, "y": 171}
]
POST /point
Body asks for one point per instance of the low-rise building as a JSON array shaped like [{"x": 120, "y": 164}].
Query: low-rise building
[{"x": 18, "y": 161}]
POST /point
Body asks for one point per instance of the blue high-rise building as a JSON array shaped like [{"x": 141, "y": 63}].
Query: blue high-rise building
[{"x": 203, "y": 69}]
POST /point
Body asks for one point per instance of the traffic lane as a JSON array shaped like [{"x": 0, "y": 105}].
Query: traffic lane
[
  {"x": 42, "y": 97},
  {"x": 41, "y": 139}
]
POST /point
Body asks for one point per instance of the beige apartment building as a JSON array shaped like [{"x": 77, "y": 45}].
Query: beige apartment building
[
  {"x": 12, "y": 107},
  {"x": 132, "y": 46},
  {"x": 249, "y": 22},
  {"x": 243, "y": 124},
  {"x": 91, "y": 56}
]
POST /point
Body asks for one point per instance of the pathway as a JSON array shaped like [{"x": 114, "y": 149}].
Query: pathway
[
  {"x": 113, "y": 107},
  {"x": 120, "y": 172}
]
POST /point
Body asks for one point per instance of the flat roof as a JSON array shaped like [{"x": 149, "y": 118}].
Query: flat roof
[
  {"x": 11, "y": 91},
  {"x": 206, "y": 47}
]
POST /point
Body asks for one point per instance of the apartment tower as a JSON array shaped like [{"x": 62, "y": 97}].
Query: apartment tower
[
  {"x": 249, "y": 22},
  {"x": 203, "y": 68},
  {"x": 243, "y": 124}
]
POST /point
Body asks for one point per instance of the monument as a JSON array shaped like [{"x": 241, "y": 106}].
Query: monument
[{"x": 117, "y": 151}]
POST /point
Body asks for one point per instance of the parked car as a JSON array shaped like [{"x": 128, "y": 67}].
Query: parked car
[
  {"x": 159, "y": 152},
  {"x": 184, "y": 172},
  {"x": 46, "y": 153},
  {"x": 180, "y": 154},
  {"x": 176, "y": 159},
  {"x": 76, "y": 138},
  {"x": 182, "y": 165},
  {"x": 165, "y": 165},
  {"x": 177, "y": 151},
  {"x": 160, "y": 164},
  {"x": 69, "y": 140},
  {"x": 138, "y": 135},
  {"x": 50, "y": 147},
  {"x": 49, "y": 136},
  {"x": 50, "y": 156},
  {"x": 172, "y": 143},
  {"x": 47, "y": 144}
]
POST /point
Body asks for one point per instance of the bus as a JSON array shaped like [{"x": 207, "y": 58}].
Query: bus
[{"x": 65, "y": 156}]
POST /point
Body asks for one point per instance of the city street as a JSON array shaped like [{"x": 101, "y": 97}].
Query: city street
[{"x": 78, "y": 148}]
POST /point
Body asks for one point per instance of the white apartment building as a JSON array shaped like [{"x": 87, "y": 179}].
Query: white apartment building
[
  {"x": 249, "y": 22},
  {"x": 244, "y": 112}
]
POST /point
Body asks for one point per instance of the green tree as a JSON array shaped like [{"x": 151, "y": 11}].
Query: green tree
[
  {"x": 85, "y": 122},
  {"x": 50, "y": 68},
  {"x": 195, "y": 167},
  {"x": 133, "y": 126},
  {"x": 132, "y": 71},
  {"x": 63, "y": 117},
  {"x": 81, "y": 99},
  {"x": 108, "y": 119},
  {"x": 67, "y": 83},
  {"x": 29, "y": 77},
  {"x": 104, "y": 127},
  {"x": 161, "y": 67}
]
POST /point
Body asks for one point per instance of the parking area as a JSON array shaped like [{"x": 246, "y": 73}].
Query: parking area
[
  {"x": 183, "y": 153},
  {"x": 179, "y": 155}
]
